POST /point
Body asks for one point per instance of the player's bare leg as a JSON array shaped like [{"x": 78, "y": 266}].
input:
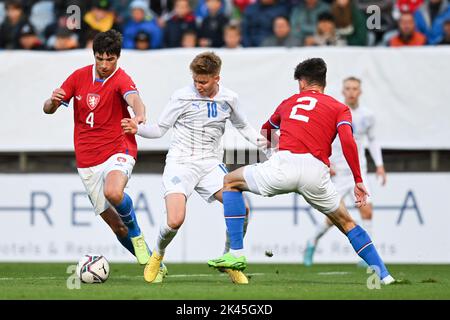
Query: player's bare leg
[
  {"x": 113, "y": 189},
  {"x": 366, "y": 213},
  {"x": 111, "y": 217},
  {"x": 360, "y": 241},
  {"x": 234, "y": 211},
  {"x": 176, "y": 212},
  {"x": 236, "y": 276}
]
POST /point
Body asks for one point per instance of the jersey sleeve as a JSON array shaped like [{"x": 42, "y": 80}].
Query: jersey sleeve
[
  {"x": 237, "y": 117},
  {"x": 127, "y": 86},
  {"x": 69, "y": 88},
  {"x": 171, "y": 112},
  {"x": 344, "y": 117},
  {"x": 374, "y": 147}
]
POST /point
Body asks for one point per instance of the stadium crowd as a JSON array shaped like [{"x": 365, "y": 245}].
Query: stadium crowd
[{"x": 155, "y": 24}]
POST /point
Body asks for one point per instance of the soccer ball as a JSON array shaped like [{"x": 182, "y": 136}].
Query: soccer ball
[{"x": 93, "y": 268}]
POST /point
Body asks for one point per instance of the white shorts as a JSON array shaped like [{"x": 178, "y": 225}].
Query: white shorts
[
  {"x": 288, "y": 172},
  {"x": 205, "y": 177},
  {"x": 345, "y": 184},
  {"x": 94, "y": 177}
]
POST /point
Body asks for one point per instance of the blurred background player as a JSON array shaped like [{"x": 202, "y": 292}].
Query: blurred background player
[
  {"x": 105, "y": 155},
  {"x": 309, "y": 122},
  {"x": 363, "y": 128},
  {"x": 198, "y": 114}
]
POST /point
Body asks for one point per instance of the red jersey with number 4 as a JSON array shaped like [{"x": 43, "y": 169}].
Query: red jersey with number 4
[
  {"x": 99, "y": 106},
  {"x": 308, "y": 123}
]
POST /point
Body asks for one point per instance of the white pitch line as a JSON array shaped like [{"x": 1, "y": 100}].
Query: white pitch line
[
  {"x": 30, "y": 278},
  {"x": 133, "y": 277},
  {"x": 333, "y": 273}
]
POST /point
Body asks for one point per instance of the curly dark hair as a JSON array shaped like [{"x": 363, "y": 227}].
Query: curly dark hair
[
  {"x": 109, "y": 42},
  {"x": 313, "y": 71}
]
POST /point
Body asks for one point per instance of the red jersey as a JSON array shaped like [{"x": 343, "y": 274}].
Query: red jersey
[
  {"x": 99, "y": 106},
  {"x": 308, "y": 123}
]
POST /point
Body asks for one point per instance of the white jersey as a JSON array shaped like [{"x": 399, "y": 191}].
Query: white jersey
[
  {"x": 199, "y": 123},
  {"x": 363, "y": 123}
]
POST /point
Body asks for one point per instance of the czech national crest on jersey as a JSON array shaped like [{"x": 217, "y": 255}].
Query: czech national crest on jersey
[{"x": 92, "y": 100}]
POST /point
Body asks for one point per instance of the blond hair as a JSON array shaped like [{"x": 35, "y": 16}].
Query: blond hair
[{"x": 207, "y": 63}]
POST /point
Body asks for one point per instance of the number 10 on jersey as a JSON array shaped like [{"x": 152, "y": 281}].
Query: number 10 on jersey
[{"x": 212, "y": 109}]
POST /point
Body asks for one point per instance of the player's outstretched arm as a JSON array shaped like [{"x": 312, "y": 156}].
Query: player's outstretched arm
[
  {"x": 135, "y": 102},
  {"x": 150, "y": 131},
  {"x": 52, "y": 104}
]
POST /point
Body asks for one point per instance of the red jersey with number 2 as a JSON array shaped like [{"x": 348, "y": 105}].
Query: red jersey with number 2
[
  {"x": 308, "y": 123},
  {"x": 99, "y": 106}
]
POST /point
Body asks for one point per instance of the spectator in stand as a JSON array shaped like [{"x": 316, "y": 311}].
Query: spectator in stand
[
  {"x": 201, "y": 9},
  {"x": 101, "y": 17},
  {"x": 182, "y": 19},
  {"x": 65, "y": 21},
  {"x": 64, "y": 39},
  {"x": 12, "y": 25},
  {"x": 446, "y": 38},
  {"x": 189, "y": 39},
  {"x": 142, "y": 41},
  {"x": 142, "y": 20},
  {"x": 408, "y": 5},
  {"x": 29, "y": 40},
  {"x": 211, "y": 29},
  {"x": 326, "y": 34},
  {"x": 90, "y": 35},
  {"x": 304, "y": 18},
  {"x": 407, "y": 34},
  {"x": 162, "y": 8},
  {"x": 239, "y": 7},
  {"x": 387, "y": 21},
  {"x": 430, "y": 18},
  {"x": 258, "y": 19},
  {"x": 60, "y": 6},
  {"x": 350, "y": 22},
  {"x": 281, "y": 35},
  {"x": 232, "y": 36}
]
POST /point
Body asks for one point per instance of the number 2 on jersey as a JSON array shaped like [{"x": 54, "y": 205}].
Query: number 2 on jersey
[
  {"x": 90, "y": 119},
  {"x": 308, "y": 107}
]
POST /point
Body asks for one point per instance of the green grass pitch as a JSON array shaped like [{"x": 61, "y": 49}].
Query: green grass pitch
[{"x": 198, "y": 282}]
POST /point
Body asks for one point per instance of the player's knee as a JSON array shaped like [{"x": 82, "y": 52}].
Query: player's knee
[
  {"x": 229, "y": 184},
  {"x": 175, "y": 222},
  {"x": 114, "y": 196}
]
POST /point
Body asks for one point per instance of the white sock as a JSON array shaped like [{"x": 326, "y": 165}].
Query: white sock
[
  {"x": 237, "y": 253},
  {"x": 321, "y": 229},
  {"x": 166, "y": 234},
  {"x": 367, "y": 225}
]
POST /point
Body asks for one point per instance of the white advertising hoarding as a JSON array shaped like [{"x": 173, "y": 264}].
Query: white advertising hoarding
[
  {"x": 405, "y": 87},
  {"x": 47, "y": 217}
]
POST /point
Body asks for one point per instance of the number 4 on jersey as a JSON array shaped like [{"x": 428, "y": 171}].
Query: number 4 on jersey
[
  {"x": 311, "y": 104},
  {"x": 90, "y": 119}
]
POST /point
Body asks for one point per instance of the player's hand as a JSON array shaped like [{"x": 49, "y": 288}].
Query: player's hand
[
  {"x": 57, "y": 96},
  {"x": 360, "y": 195},
  {"x": 129, "y": 126},
  {"x": 381, "y": 174},
  {"x": 140, "y": 119},
  {"x": 332, "y": 172}
]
